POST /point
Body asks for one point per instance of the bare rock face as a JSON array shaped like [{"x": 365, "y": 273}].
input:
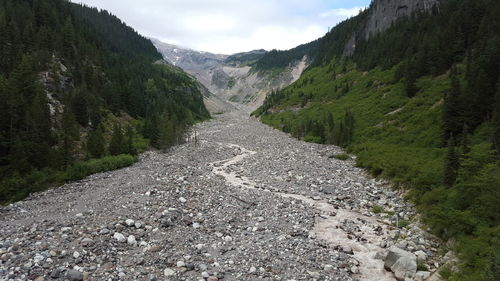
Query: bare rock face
[
  {"x": 384, "y": 12},
  {"x": 230, "y": 78}
]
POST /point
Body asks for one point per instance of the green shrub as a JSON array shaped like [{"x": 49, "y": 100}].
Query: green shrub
[
  {"x": 16, "y": 188},
  {"x": 342, "y": 156}
]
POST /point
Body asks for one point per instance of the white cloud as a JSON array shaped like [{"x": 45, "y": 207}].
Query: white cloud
[
  {"x": 228, "y": 26},
  {"x": 342, "y": 12}
]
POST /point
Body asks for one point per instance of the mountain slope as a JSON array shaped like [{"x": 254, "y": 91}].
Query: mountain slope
[
  {"x": 234, "y": 78},
  {"x": 77, "y": 83},
  {"x": 418, "y": 101}
]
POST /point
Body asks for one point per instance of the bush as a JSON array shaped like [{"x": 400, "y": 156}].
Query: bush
[
  {"x": 16, "y": 188},
  {"x": 342, "y": 156}
]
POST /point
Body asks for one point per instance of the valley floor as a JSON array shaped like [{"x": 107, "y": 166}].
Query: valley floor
[{"x": 243, "y": 202}]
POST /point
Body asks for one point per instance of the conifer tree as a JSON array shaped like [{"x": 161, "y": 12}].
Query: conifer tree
[
  {"x": 117, "y": 144},
  {"x": 452, "y": 125},
  {"x": 69, "y": 135},
  {"x": 96, "y": 143},
  {"x": 452, "y": 164}
]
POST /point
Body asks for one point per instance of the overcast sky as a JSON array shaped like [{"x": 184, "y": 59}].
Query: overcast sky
[{"x": 230, "y": 26}]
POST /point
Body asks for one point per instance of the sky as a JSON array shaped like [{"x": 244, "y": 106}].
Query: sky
[{"x": 231, "y": 26}]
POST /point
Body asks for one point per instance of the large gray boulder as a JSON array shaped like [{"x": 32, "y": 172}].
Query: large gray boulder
[{"x": 402, "y": 263}]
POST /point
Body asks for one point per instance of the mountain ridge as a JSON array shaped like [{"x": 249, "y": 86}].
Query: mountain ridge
[{"x": 233, "y": 78}]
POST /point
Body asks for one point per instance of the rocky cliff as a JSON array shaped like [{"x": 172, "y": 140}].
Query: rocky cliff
[{"x": 384, "y": 12}]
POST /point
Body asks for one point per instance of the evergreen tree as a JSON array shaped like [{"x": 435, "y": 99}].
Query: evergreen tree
[
  {"x": 452, "y": 164},
  {"x": 130, "y": 141},
  {"x": 496, "y": 120},
  {"x": 96, "y": 143},
  {"x": 69, "y": 135},
  {"x": 117, "y": 145},
  {"x": 452, "y": 124}
]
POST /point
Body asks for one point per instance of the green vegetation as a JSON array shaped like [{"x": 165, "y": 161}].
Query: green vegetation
[
  {"x": 281, "y": 59},
  {"x": 75, "y": 84},
  {"x": 17, "y": 187},
  {"x": 342, "y": 156},
  {"x": 245, "y": 59},
  {"x": 419, "y": 104},
  {"x": 377, "y": 209}
]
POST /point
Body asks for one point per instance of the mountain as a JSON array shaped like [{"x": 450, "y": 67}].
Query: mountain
[
  {"x": 412, "y": 88},
  {"x": 81, "y": 92},
  {"x": 234, "y": 78}
]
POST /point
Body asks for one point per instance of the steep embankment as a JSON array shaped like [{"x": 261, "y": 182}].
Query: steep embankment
[
  {"x": 234, "y": 78},
  {"x": 418, "y": 102}
]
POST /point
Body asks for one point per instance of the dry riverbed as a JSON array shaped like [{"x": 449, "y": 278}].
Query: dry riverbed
[{"x": 244, "y": 202}]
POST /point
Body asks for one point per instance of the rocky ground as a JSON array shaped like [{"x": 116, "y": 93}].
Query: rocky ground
[{"x": 242, "y": 202}]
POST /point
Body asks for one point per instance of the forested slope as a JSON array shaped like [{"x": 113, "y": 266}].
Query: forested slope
[
  {"x": 78, "y": 84},
  {"x": 420, "y": 104}
]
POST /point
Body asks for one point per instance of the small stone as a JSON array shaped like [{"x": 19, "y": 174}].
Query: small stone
[
  {"x": 422, "y": 275},
  {"x": 27, "y": 265},
  {"x": 76, "y": 255},
  {"x": 421, "y": 255},
  {"x": 354, "y": 269},
  {"x": 104, "y": 231},
  {"x": 74, "y": 275},
  {"x": 212, "y": 278},
  {"x": 181, "y": 264},
  {"x": 228, "y": 238},
  {"x": 55, "y": 273},
  {"x": 260, "y": 219},
  {"x": 129, "y": 222},
  {"x": 119, "y": 237},
  {"x": 39, "y": 278},
  {"x": 196, "y": 225},
  {"x": 87, "y": 242},
  {"x": 65, "y": 229},
  {"x": 131, "y": 240},
  {"x": 182, "y": 200},
  {"x": 79, "y": 215},
  {"x": 38, "y": 258},
  {"x": 169, "y": 272},
  {"x": 252, "y": 269},
  {"x": 347, "y": 250},
  {"x": 205, "y": 274},
  {"x": 328, "y": 267}
]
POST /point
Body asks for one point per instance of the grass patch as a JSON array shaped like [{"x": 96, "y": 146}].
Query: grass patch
[
  {"x": 377, "y": 209},
  {"x": 342, "y": 156},
  {"x": 422, "y": 266},
  {"x": 403, "y": 223}
]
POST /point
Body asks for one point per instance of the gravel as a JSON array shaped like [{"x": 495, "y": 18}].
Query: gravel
[{"x": 245, "y": 202}]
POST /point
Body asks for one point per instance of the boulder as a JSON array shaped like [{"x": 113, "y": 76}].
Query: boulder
[
  {"x": 404, "y": 267},
  {"x": 401, "y": 262}
]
